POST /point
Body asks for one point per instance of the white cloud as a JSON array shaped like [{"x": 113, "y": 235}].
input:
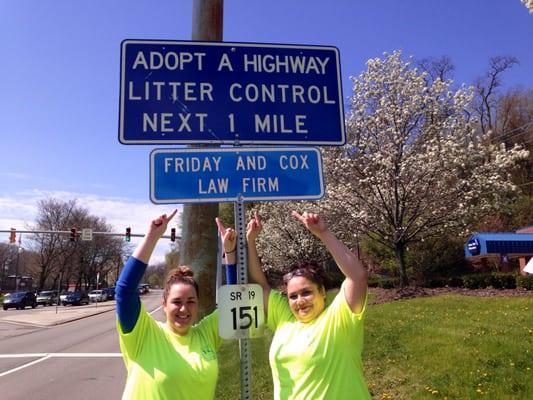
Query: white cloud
[{"x": 20, "y": 209}]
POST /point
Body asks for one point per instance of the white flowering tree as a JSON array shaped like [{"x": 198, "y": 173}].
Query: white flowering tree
[
  {"x": 284, "y": 241},
  {"x": 413, "y": 165}
]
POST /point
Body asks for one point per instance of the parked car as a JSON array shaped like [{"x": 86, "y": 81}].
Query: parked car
[
  {"x": 63, "y": 296},
  {"x": 143, "y": 288},
  {"x": 19, "y": 300},
  {"x": 97, "y": 295},
  {"x": 76, "y": 298},
  {"x": 47, "y": 298},
  {"x": 110, "y": 291}
]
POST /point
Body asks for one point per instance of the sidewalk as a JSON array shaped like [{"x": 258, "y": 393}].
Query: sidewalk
[{"x": 49, "y": 317}]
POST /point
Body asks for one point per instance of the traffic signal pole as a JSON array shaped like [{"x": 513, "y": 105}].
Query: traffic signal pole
[{"x": 69, "y": 232}]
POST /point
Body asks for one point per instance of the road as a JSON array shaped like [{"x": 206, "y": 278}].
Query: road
[{"x": 78, "y": 360}]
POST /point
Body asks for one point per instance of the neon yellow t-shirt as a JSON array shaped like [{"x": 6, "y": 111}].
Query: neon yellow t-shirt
[
  {"x": 320, "y": 359},
  {"x": 163, "y": 365}
]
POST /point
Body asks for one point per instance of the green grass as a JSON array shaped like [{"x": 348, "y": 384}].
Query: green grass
[
  {"x": 229, "y": 375},
  {"x": 451, "y": 347},
  {"x": 445, "y": 347}
]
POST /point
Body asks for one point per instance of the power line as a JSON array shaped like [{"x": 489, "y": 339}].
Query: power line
[{"x": 521, "y": 129}]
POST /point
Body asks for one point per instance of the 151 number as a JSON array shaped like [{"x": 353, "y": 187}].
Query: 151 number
[{"x": 245, "y": 316}]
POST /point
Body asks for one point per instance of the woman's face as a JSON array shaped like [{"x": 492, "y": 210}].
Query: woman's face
[
  {"x": 306, "y": 299},
  {"x": 181, "y": 307}
]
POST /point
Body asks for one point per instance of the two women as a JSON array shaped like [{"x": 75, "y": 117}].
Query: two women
[
  {"x": 175, "y": 359},
  {"x": 318, "y": 336}
]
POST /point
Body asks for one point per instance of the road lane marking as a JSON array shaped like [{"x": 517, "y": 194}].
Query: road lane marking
[
  {"x": 157, "y": 309},
  {"x": 60, "y": 355},
  {"x": 23, "y": 366},
  {"x": 46, "y": 356}
]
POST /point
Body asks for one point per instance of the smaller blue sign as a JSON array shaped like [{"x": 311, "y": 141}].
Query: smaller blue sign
[
  {"x": 231, "y": 174},
  {"x": 473, "y": 246}
]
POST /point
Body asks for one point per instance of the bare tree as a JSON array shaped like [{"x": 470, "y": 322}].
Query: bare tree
[
  {"x": 72, "y": 261},
  {"x": 53, "y": 249},
  {"x": 486, "y": 90},
  {"x": 437, "y": 68}
]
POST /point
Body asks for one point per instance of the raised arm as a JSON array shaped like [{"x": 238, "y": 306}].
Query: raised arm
[
  {"x": 127, "y": 295},
  {"x": 348, "y": 261},
  {"x": 157, "y": 228},
  {"x": 228, "y": 239},
  {"x": 255, "y": 272}
]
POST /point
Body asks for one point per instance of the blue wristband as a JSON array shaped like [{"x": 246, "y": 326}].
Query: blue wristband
[{"x": 231, "y": 274}]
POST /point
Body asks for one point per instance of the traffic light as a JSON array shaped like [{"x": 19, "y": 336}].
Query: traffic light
[
  {"x": 127, "y": 238},
  {"x": 173, "y": 235},
  {"x": 13, "y": 235},
  {"x": 73, "y": 234}
]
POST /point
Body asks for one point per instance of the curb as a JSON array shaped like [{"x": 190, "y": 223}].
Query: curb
[{"x": 53, "y": 321}]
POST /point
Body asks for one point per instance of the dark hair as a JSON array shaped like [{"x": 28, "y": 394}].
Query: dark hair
[
  {"x": 180, "y": 274},
  {"x": 310, "y": 270}
]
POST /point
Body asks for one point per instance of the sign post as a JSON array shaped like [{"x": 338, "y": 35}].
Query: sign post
[{"x": 242, "y": 279}]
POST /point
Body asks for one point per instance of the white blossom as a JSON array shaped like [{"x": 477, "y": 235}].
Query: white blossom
[{"x": 413, "y": 166}]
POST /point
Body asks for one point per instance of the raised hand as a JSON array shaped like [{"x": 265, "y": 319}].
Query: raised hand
[
  {"x": 159, "y": 225},
  {"x": 313, "y": 222},
  {"x": 254, "y": 227},
  {"x": 156, "y": 229},
  {"x": 228, "y": 237}
]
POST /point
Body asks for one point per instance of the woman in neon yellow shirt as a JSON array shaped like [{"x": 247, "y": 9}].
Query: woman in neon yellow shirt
[
  {"x": 175, "y": 359},
  {"x": 318, "y": 336}
]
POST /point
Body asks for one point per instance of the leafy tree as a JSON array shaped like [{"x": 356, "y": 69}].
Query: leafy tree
[{"x": 413, "y": 166}]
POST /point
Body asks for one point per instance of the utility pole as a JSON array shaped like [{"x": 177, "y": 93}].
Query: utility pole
[
  {"x": 198, "y": 247},
  {"x": 17, "y": 266}
]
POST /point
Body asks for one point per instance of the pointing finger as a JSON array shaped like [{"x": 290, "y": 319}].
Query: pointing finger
[
  {"x": 172, "y": 214},
  {"x": 297, "y": 216},
  {"x": 220, "y": 225}
]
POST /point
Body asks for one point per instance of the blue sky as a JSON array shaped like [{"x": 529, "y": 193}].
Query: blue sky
[{"x": 59, "y": 78}]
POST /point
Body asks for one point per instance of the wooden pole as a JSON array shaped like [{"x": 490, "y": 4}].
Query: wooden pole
[{"x": 198, "y": 247}]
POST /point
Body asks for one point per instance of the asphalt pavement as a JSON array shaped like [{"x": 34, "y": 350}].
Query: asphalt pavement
[{"x": 65, "y": 355}]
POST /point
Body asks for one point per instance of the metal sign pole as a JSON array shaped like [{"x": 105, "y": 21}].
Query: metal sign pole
[{"x": 242, "y": 279}]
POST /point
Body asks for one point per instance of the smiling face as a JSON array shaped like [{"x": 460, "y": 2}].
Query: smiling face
[
  {"x": 181, "y": 307},
  {"x": 306, "y": 299}
]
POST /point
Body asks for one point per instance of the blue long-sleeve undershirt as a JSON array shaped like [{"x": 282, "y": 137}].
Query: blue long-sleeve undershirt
[{"x": 127, "y": 293}]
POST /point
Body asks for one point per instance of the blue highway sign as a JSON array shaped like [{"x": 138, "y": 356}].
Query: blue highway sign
[
  {"x": 225, "y": 93},
  {"x": 229, "y": 174}
]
